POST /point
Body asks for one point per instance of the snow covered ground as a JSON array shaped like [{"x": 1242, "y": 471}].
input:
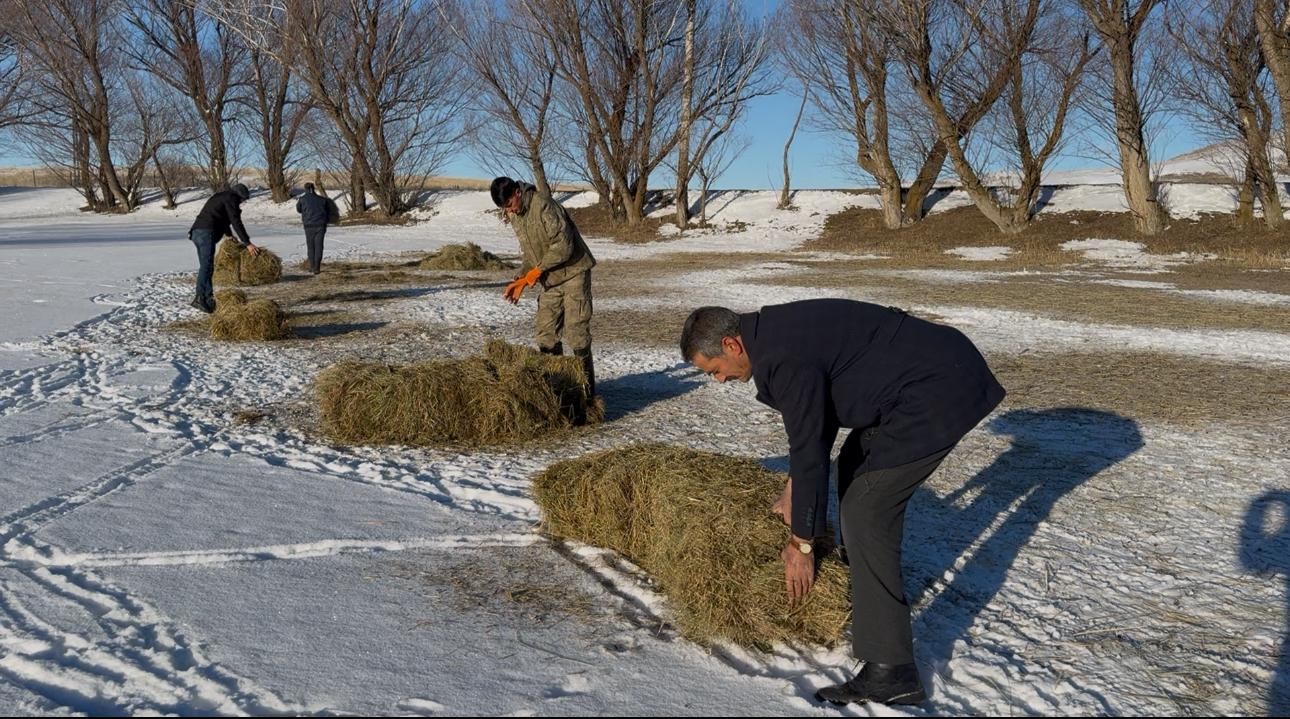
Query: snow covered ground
[{"x": 158, "y": 556}]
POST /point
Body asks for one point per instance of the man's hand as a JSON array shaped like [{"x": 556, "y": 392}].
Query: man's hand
[
  {"x": 784, "y": 505},
  {"x": 799, "y": 570},
  {"x": 516, "y": 288},
  {"x": 252, "y": 249},
  {"x": 512, "y": 292}
]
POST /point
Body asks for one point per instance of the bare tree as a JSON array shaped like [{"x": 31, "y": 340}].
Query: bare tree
[
  {"x": 1120, "y": 25},
  {"x": 13, "y": 86},
  {"x": 1272, "y": 18},
  {"x": 156, "y": 121},
  {"x": 848, "y": 50},
  {"x": 622, "y": 62},
  {"x": 689, "y": 69},
  {"x": 193, "y": 53},
  {"x": 1220, "y": 81},
  {"x": 518, "y": 74},
  {"x": 51, "y": 135},
  {"x": 323, "y": 145},
  {"x": 75, "y": 48},
  {"x": 723, "y": 68},
  {"x": 1025, "y": 53},
  {"x": 843, "y": 49},
  {"x": 279, "y": 109},
  {"x": 716, "y": 161},
  {"x": 785, "y": 192},
  {"x": 575, "y": 145},
  {"x": 278, "y": 104},
  {"x": 383, "y": 72}
]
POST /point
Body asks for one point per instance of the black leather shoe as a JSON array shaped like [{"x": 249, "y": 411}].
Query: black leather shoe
[{"x": 878, "y": 683}]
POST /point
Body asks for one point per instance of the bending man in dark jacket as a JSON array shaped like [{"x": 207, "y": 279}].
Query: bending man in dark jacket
[
  {"x": 316, "y": 212},
  {"x": 556, "y": 257},
  {"x": 221, "y": 215},
  {"x": 910, "y": 390}
]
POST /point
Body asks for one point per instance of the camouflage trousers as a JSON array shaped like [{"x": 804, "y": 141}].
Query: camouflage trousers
[{"x": 564, "y": 313}]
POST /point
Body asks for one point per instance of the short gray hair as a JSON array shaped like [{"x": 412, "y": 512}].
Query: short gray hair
[{"x": 704, "y": 330}]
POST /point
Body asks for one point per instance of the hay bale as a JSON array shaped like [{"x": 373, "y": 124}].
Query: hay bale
[
  {"x": 256, "y": 320},
  {"x": 464, "y": 257},
  {"x": 228, "y": 298},
  {"x": 235, "y": 266},
  {"x": 508, "y": 394},
  {"x": 700, "y": 525}
]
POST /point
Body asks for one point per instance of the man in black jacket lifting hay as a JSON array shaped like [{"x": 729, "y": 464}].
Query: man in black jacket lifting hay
[{"x": 910, "y": 390}]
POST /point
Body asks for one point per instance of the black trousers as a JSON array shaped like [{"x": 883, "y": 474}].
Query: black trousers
[
  {"x": 205, "y": 241},
  {"x": 872, "y": 513},
  {"x": 314, "y": 241}
]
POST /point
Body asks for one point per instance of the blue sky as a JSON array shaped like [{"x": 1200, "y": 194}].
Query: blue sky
[{"x": 820, "y": 160}]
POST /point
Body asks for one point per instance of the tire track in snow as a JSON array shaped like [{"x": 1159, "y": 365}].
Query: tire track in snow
[
  {"x": 139, "y": 663},
  {"x": 58, "y": 428},
  {"x": 29, "y": 555},
  {"x": 32, "y": 517}
]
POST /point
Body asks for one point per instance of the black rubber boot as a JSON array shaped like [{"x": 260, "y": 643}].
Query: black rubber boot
[
  {"x": 878, "y": 683},
  {"x": 204, "y": 304},
  {"x": 558, "y": 349},
  {"x": 588, "y": 368}
]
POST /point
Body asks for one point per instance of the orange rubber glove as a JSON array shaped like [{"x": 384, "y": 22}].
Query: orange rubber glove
[
  {"x": 513, "y": 290},
  {"x": 516, "y": 288}
]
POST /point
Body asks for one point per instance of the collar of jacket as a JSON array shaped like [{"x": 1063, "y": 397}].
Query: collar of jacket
[
  {"x": 748, "y": 326},
  {"x": 748, "y": 331},
  {"x": 526, "y": 197}
]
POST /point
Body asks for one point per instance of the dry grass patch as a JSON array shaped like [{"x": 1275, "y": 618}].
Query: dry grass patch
[
  {"x": 1148, "y": 386},
  {"x": 649, "y": 328},
  {"x": 1074, "y": 298},
  {"x": 236, "y": 266},
  {"x": 376, "y": 217},
  {"x": 700, "y": 525},
  {"x": 254, "y": 321},
  {"x": 229, "y": 298},
  {"x": 598, "y": 221},
  {"x": 924, "y": 243},
  {"x": 464, "y": 257},
  {"x": 509, "y": 394}
]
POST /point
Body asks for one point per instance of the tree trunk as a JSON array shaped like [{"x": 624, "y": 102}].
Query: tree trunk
[
  {"x": 539, "y": 171},
  {"x": 893, "y": 217},
  {"x": 598, "y": 181},
  {"x": 687, "y": 122},
  {"x": 1260, "y": 169},
  {"x": 705, "y": 185},
  {"x": 390, "y": 196},
  {"x": 924, "y": 183},
  {"x": 275, "y": 175},
  {"x": 1245, "y": 199},
  {"x": 357, "y": 196},
  {"x": 634, "y": 203},
  {"x": 81, "y": 153},
  {"x": 1135, "y": 166},
  {"x": 219, "y": 155},
  {"x": 785, "y": 192},
  {"x": 108, "y": 200},
  {"x": 120, "y": 196},
  {"x": 1276, "y": 53},
  {"x": 167, "y": 192}
]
